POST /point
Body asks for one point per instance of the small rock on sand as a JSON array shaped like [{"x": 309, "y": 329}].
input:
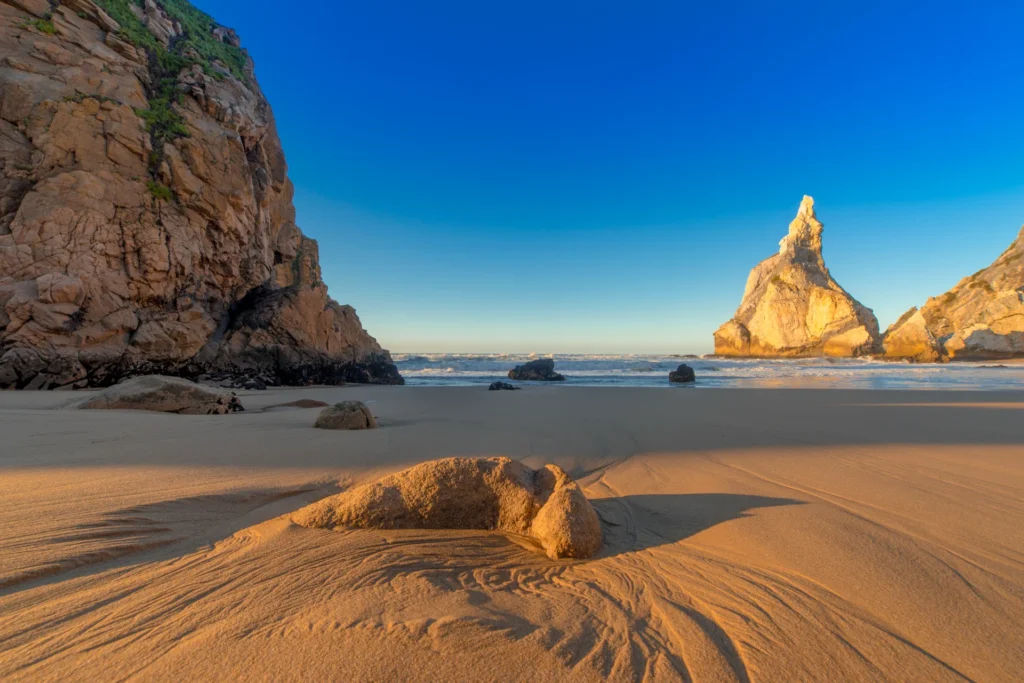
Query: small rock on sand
[
  {"x": 502, "y": 386},
  {"x": 470, "y": 493},
  {"x": 346, "y": 415}
]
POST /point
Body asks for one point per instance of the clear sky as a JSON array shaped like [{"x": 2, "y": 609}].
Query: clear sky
[{"x": 601, "y": 176}]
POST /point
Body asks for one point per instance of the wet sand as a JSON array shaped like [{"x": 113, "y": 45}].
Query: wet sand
[{"x": 749, "y": 535}]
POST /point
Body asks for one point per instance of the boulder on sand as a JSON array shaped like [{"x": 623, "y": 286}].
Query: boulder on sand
[
  {"x": 542, "y": 370},
  {"x": 502, "y": 386},
  {"x": 162, "y": 394},
  {"x": 684, "y": 373},
  {"x": 470, "y": 493},
  {"x": 346, "y": 415}
]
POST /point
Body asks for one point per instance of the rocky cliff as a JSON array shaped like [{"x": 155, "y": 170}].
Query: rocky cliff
[
  {"x": 146, "y": 218},
  {"x": 792, "y": 306},
  {"x": 982, "y": 317}
]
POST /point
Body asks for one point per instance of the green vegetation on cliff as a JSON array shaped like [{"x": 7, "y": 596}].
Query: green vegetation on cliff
[{"x": 199, "y": 45}]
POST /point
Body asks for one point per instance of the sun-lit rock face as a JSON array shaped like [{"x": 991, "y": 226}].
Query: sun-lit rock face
[
  {"x": 792, "y": 307},
  {"x": 982, "y": 317},
  {"x": 470, "y": 493},
  {"x": 146, "y": 217}
]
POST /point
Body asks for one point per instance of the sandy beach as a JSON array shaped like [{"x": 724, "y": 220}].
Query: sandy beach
[{"x": 775, "y": 534}]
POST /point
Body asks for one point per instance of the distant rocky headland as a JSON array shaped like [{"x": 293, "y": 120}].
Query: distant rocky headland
[
  {"x": 981, "y": 318},
  {"x": 146, "y": 217},
  {"x": 792, "y": 307}
]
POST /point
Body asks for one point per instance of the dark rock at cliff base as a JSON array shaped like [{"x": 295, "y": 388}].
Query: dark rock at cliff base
[
  {"x": 684, "y": 373},
  {"x": 502, "y": 386},
  {"x": 146, "y": 216},
  {"x": 162, "y": 394},
  {"x": 542, "y": 370}
]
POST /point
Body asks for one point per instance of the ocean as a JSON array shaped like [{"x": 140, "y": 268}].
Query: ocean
[{"x": 455, "y": 369}]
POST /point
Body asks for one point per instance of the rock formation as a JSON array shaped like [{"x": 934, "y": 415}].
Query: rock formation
[
  {"x": 146, "y": 217},
  {"x": 470, "y": 493},
  {"x": 502, "y": 386},
  {"x": 162, "y": 394},
  {"x": 792, "y": 306},
  {"x": 346, "y": 415},
  {"x": 981, "y": 318},
  {"x": 542, "y": 370},
  {"x": 683, "y": 374}
]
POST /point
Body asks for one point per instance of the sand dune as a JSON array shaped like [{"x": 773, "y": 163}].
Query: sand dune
[{"x": 749, "y": 535}]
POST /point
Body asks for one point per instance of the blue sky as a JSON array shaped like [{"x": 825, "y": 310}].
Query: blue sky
[{"x": 601, "y": 177}]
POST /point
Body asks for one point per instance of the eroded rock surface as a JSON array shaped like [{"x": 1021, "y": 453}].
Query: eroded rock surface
[
  {"x": 146, "y": 217},
  {"x": 470, "y": 493},
  {"x": 982, "y": 317},
  {"x": 793, "y": 307},
  {"x": 162, "y": 394}
]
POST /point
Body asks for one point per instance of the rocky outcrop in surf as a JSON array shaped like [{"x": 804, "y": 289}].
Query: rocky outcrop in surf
[
  {"x": 981, "y": 318},
  {"x": 793, "y": 307},
  {"x": 470, "y": 493},
  {"x": 541, "y": 370},
  {"x": 146, "y": 217}
]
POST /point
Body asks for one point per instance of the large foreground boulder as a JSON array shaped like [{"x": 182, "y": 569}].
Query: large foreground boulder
[
  {"x": 470, "y": 493},
  {"x": 792, "y": 307},
  {"x": 346, "y": 415},
  {"x": 542, "y": 370},
  {"x": 683, "y": 374},
  {"x": 981, "y": 318},
  {"x": 162, "y": 394},
  {"x": 146, "y": 216}
]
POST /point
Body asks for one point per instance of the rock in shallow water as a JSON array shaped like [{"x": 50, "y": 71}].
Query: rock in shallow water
[
  {"x": 502, "y": 386},
  {"x": 684, "y": 373},
  {"x": 470, "y": 493},
  {"x": 346, "y": 415},
  {"x": 541, "y": 370},
  {"x": 162, "y": 394}
]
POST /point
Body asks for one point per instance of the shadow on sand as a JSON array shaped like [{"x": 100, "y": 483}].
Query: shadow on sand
[{"x": 634, "y": 523}]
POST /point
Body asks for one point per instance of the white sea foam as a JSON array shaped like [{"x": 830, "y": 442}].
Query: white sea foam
[{"x": 652, "y": 370}]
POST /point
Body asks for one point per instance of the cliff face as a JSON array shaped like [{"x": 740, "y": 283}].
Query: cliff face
[
  {"x": 982, "y": 317},
  {"x": 792, "y": 306},
  {"x": 146, "y": 217}
]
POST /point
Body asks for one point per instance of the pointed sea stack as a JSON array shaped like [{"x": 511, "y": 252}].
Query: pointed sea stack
[
  {"x": 792, "y": 307},
  {"x": 981, "y": 318}
]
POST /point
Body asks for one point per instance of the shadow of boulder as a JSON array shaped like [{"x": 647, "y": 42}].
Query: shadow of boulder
[{"x": 633, "y": 523}]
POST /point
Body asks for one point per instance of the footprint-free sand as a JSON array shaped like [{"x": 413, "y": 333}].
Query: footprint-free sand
[{"x": 750, "y": 535}]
